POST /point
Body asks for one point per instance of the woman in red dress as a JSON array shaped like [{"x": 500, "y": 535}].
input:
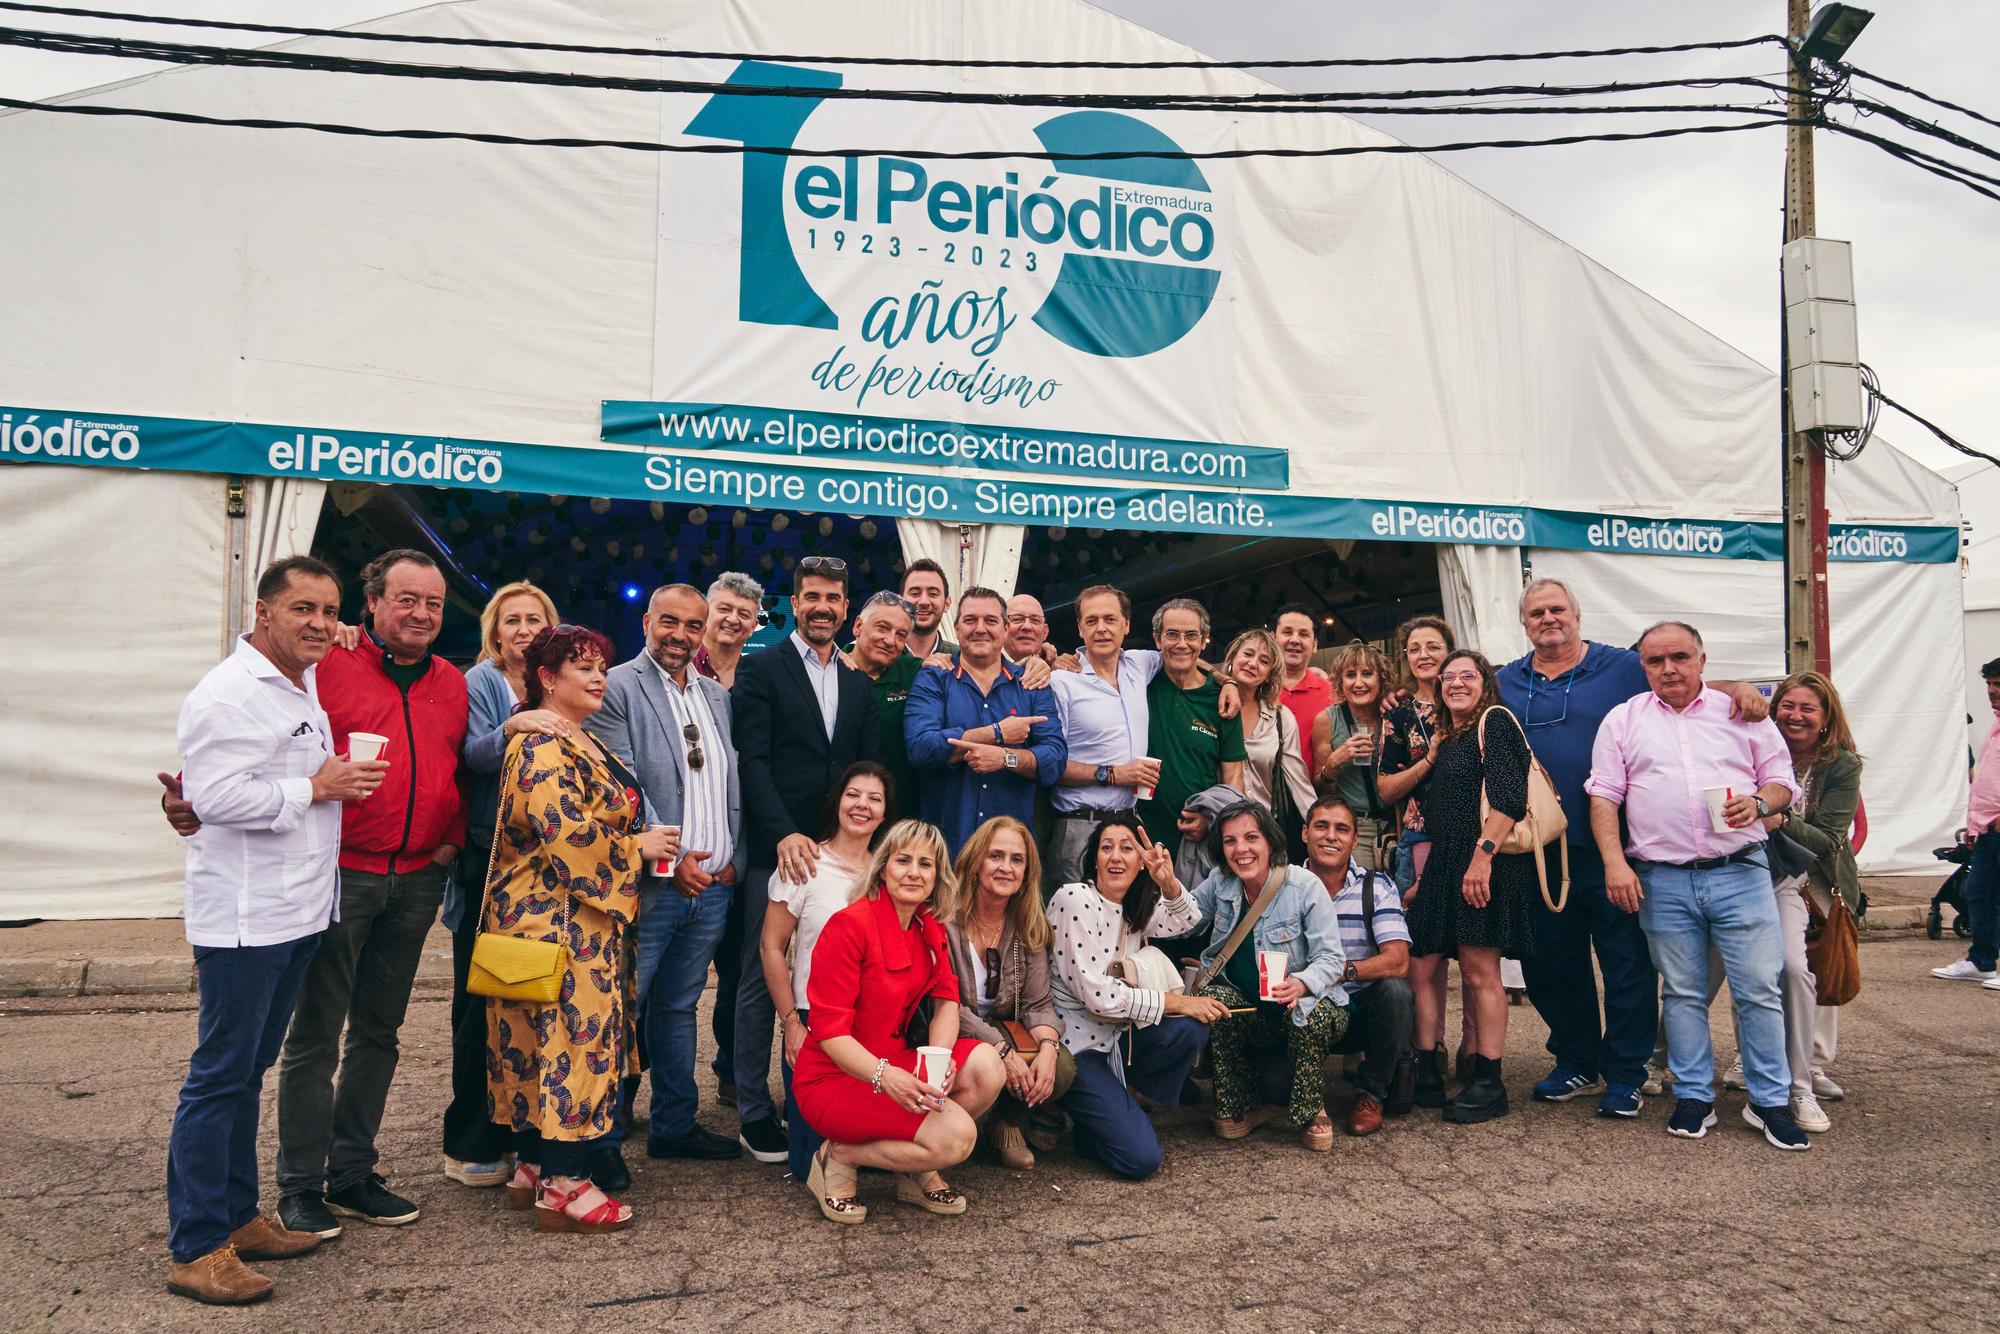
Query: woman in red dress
[{"x": 856, "y": 1080}]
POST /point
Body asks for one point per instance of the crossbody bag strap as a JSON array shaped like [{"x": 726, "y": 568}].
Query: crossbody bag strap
[
  {"x": 1209, "y": 972},
  {"x": 1368, "y": 909}
]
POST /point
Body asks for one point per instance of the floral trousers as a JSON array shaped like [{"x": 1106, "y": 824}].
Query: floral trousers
[{"x": 1235, "y": 1036}]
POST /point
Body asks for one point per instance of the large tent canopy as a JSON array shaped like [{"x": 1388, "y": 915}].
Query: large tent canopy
[{"x": 1340, "y": 348}]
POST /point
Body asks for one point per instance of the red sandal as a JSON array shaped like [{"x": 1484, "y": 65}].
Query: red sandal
[
  {"x": 521, "y": 1189},
  {"x": 566, "y": 1211}
]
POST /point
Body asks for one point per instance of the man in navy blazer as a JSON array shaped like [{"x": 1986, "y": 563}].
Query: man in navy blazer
[
  {"x": 672, "y": 726},
  {"x": 802, "y": 717}
]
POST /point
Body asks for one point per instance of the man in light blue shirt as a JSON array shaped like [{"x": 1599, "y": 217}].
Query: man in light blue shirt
[{"x": 1102, "y": 709}]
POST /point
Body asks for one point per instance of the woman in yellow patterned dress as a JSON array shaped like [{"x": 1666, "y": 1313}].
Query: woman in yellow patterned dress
[{"x": 570, "y": 842}]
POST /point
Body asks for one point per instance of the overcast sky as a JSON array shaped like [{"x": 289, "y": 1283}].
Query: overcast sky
[{"x": 1695, "y": 222}]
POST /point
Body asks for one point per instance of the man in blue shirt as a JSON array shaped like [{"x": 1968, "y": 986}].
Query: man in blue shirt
[
  {"x": 980, "y": 741},
  {"x": 1561, "y": 690}
]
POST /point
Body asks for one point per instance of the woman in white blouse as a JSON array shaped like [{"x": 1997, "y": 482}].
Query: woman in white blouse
[
  {"x": 1270, "y": 734},
  {"x": 851, "y": 824},
  {"x": 1131, "y": 893}
]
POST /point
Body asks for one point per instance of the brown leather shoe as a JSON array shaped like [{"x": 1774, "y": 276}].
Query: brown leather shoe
[
  {"x": 1365, "y": 1116},
  {"x": 219, "y": 1279},
  {"x": 1011, "y": 1147},
  {"x": 265, "y": 1238}
]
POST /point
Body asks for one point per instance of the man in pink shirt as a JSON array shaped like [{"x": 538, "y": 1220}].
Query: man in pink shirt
[
  {"x": 1982, "y": 884},
  {"x": 1694, "y": 885}
]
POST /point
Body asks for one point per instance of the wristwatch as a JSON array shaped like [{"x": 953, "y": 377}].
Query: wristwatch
[
  {"x": 1013, "y": 759},
  {"x": 1488, "y": 846},
  {"x": 1348, "y": 974},
  {"x": 1102, "y": 774},
  {"x": 1763, "y": 806}
]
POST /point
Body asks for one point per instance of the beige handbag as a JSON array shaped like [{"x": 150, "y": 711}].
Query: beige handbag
[{"x": 1544, "y": 822}]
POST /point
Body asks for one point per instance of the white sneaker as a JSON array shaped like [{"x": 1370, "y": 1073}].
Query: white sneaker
[
  {"x": 1825, "y": 1089},
  {"x": 1807, "y": 1112},
  {"x": 1657, "y": 1079},
  {"x": 1991, "y": 984},
  {"x": 1964, "y": 970},
  {"x": 1733, "y": 1077}
]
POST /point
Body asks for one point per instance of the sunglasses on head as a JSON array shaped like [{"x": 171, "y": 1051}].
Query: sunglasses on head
[{"x": 831, "y": 564}]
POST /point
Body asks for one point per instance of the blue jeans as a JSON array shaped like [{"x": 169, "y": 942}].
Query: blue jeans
[
  {"x": 674, "y": 941},
  {"x": 1731, "y": 907},
  {"x": 247, "y": 995},
  {"x": 1110, "y": 1124},
  {"x": 1565, "y": 993},
  {"x": 1982, "y": 899},
  {"x": 801, "y": 1140}
]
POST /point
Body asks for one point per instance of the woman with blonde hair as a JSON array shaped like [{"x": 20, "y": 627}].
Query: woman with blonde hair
[
  {"x": 858, "y": 1080},
  {"x": 494, "y": 687},
  {"x": 1274, "y": 769},
  {"x": 1345, "y": 746},
  {"x": 1000, "y": 949}
]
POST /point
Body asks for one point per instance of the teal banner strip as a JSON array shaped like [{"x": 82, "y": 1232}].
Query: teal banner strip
[
  {"x": 29, "y": 435},
  {"x": 807, "y": 436}
]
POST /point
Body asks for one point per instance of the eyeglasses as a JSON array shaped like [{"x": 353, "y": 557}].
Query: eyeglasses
[
  {"x": 1568, "y": 683},
  {"x": 831, "y": 564},
  {"x": 692, "y": 735},
  {"x": 993, "y": 974},
  {"x": 1181, "y": 636},
  {"x": 1458, "y": 678},
  {"x": 1023, "y": 618}
]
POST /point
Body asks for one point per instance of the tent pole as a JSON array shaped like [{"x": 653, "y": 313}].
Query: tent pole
[{"x": 237, "y": 544}]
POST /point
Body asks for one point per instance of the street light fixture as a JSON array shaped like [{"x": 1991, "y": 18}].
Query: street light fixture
[{"x": 1833, "y": 30}]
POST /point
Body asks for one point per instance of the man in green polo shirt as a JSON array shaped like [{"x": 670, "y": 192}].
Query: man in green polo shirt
[
  {"x": 881, "y": 634},
  {"x": 1195, "y": 745}
]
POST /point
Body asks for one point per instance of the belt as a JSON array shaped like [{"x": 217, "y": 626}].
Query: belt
[
  {"x": 1092, "y": 814},
  {"x": 1736, "y": 858}
]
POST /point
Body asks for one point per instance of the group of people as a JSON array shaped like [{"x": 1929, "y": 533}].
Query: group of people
[{"x": 973, "y": 888}]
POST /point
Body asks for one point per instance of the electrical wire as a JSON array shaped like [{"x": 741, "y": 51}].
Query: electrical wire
[
  {"x": 182, "y": 53},
  {"x": 973, "y": 155},
  {"x": 1918, "y": 93},
  {"x": 1933, "y": 427},
  {"x": 1936, "y": 166},
  {"x": 930, "y": 62}
]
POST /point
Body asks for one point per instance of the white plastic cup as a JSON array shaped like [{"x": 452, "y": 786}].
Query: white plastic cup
[
  {"x": 933, "y": 1065},
  {"x": 664, "y": 866},
  {"x": 365, "y": 746},
  {"x": 1145, "y": 790},
  {"x": 1374, "y": 743},
  {"x": 1271, "y": 966},
  {"x": 1718, "y": 797}
]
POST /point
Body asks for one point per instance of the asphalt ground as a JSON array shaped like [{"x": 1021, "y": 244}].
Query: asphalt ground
[{"x": 1548, "y": 1218}]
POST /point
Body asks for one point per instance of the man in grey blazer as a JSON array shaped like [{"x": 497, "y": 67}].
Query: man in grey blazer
[{"x": 672, "y": 726}]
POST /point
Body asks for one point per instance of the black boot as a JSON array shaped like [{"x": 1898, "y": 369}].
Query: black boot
[
  {"x": 1484, "y": 1099},
  {"x": 1402, "y": 1087},
  {"x": 1429, "y": 1091}
]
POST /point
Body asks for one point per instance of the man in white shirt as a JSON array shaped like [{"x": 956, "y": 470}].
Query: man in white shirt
[
  {"x": 262, "y": 884},
  {"x": 1102, "y": 709}
]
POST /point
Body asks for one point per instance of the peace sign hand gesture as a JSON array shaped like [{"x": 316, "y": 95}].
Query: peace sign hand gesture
[{"x": 1159, "y": 864}]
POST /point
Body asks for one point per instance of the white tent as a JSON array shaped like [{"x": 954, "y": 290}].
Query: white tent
[
  {"x": 1979, "y": 491},
  {"x": 1424, "y": 364}
]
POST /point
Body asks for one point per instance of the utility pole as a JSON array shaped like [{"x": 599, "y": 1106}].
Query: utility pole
[{"x": 1807, "y": 641}]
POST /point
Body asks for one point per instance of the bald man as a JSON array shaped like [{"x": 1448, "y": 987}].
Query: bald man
[{"x": 1027, "y": 628}]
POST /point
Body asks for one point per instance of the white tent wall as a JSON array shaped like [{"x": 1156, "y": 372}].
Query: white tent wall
[
  {"x": 281, "y": 517},
  {"x": 1895, "y": 660},
  {"x": 973, "y": 555},
  {"x": 1481, "y": 587},
  {"x": 1979, "y": 500},
  {"x": 115, "y": 597}
]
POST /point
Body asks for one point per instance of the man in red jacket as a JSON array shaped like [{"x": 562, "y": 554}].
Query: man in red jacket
[{"x": 394, "y": 850}]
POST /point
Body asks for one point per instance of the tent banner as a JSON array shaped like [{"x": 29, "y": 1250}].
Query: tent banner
[
  {"x": 1068, "y": 316},
  {"x": 674, "y": 476},
  {"x": 794, "y": 433}
]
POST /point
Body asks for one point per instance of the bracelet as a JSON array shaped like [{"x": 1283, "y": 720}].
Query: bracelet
[
  {"x": 880, "y": 1066},
  {"x": 1047, "y": 1042}
]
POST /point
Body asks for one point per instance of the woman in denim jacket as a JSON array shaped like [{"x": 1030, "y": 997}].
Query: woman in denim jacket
[{"x": 1307, "y": 1012}]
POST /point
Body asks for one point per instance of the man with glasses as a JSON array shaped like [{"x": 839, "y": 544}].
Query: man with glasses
[
  {"x": 802, "y": 715},
  {"x": 671, "y": 725},
  {"x": 1196, "y": 746},
  {"x": 1561, "y": 691},
  {"x": 881, "y": 634},
  {"x": 1102, "y": 708},
  {"x": 1027, "y": 630}
]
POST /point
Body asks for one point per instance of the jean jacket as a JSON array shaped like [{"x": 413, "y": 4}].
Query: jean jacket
[{"x": 1300, "y": 923}]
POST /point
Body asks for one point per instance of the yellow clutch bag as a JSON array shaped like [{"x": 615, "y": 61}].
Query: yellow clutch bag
[
  {"x": 517, "y": 970},
  {"x": 507, "y": 968}
]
